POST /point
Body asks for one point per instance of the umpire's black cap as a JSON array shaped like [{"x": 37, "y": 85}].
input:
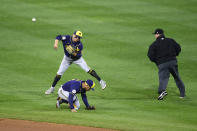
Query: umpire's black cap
[{"x": 158, "y": 31}]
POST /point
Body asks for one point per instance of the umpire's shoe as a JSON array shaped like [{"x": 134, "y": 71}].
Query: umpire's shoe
[{"x": 163, "y": 93}]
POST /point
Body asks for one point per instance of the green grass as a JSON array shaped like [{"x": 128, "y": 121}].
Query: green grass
[{"x": 117, "y": 34}]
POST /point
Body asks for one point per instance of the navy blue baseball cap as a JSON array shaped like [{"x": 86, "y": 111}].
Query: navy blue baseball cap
[
  {"x": 90, "y": 83},
  {"x": 158, "y": 31}
]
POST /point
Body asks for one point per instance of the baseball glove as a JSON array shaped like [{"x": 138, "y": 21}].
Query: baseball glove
[
  {"x": 70, "y": 49},
  {"x": 90, "y": 108}
]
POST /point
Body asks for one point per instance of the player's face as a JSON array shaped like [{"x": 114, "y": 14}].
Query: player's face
[
  {"x": 75, "y": 38},
  {"x": 86, "y": 86}
]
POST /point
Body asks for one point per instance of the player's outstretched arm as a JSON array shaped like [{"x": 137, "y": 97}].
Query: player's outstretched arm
[{"x": 56, "y": 44}]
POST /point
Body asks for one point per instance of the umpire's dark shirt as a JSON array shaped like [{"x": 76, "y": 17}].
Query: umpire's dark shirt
[{"x": 163, "y": 50}]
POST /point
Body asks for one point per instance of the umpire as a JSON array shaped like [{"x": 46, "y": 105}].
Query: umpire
[{"x": 163, "y": 52}]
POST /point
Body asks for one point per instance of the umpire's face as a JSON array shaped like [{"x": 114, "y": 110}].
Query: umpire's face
[
  {"x": 75, "y": 38},
  {"x": 157, "y": 35}
]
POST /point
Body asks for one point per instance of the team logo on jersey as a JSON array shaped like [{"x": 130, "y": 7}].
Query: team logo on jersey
[
  {"x": 74, "y": 91},
  {"x": 63, "y": 37},
  {"x": 77, "y": 49}
]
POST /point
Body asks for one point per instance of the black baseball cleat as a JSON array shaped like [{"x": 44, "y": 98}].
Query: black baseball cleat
[
  {"x": 163, "y": 93},
  {"x": 58, "y": 98}
]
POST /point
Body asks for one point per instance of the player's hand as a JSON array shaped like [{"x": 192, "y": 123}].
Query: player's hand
[
  {"x": 73, "y": 110},
  {"x": 55, "y": 47},
  {"x": 74, "y": 54},
  {"x": 56, "y": 44}
]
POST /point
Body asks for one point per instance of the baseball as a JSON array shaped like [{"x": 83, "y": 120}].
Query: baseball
[{"x": 34, "y": 19}]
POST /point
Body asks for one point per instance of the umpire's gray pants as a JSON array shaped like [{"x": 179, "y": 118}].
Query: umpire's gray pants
[{"x": 164, "y": 73}]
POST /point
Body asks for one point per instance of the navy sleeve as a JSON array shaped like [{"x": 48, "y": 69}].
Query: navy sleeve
[
  {"x": 70, "y": 100},
  {"x": 59, "y": 37},
  {"x": 85, "y": 100},
  {"x": 73, "y": 90}
]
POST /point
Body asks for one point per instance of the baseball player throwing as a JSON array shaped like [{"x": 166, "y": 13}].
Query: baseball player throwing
[
  {"x": 67, "y": 94},
  {"x": 72, "y": 54}
]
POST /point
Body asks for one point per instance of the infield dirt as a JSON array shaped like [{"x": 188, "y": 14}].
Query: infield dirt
[{"x": 24, "y": 125}]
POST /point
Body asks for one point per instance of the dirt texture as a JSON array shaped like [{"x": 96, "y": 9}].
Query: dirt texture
[{"x": 24, "y": 125}]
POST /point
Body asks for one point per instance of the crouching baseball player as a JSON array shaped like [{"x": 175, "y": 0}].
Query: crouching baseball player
[
  {"x": 72, "y": 54},
  {"x": 67, "y": 94}
]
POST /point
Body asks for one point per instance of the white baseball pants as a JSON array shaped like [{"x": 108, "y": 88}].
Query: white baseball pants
[
  {"x": 66, "y": 62},
  {"x": 65, "y": 94}
]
